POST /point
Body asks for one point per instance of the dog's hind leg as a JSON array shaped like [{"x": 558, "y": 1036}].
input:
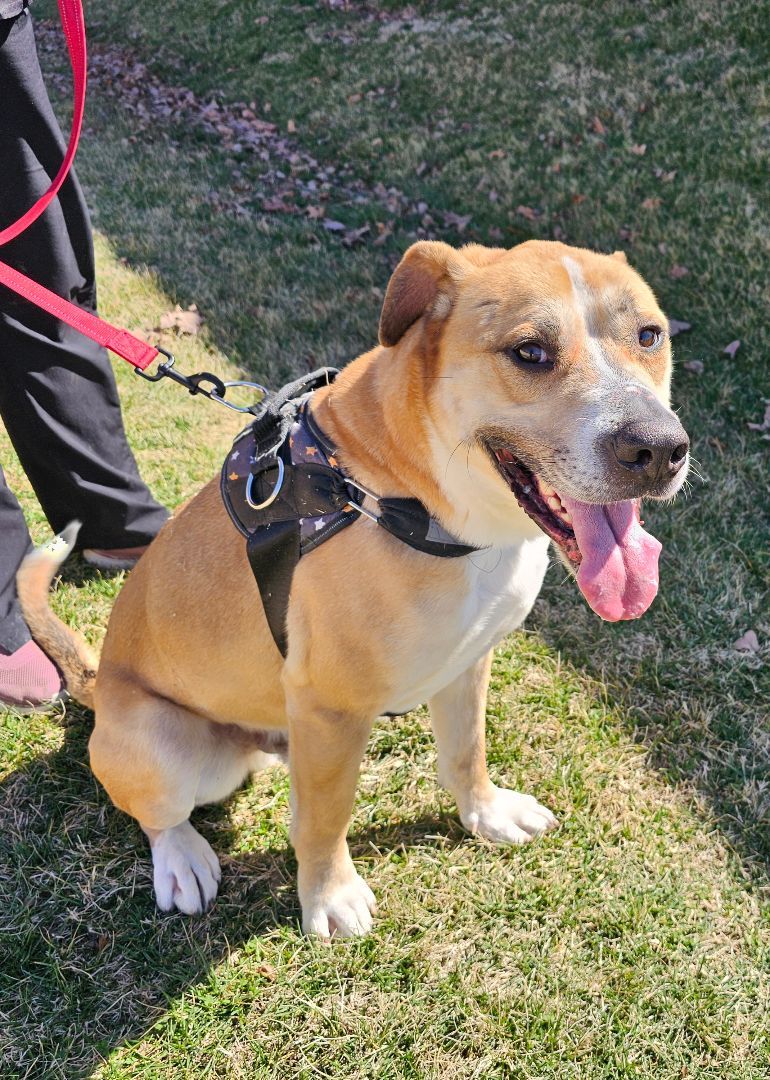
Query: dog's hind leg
[{"x": 158, "y": 761}]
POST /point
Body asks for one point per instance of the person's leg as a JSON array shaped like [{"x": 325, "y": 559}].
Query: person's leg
[
  {"x": 27, "y": 676},
  {"x": 14, "y": 546},
  {"x": 58, "y": 398}
]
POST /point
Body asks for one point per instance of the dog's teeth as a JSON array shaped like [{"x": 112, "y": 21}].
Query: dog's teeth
[
  {"x": 567, "y": 516},
  {"x": 554, "y": 502}
]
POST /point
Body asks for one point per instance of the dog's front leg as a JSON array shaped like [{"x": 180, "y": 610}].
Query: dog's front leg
[
  {"x": 458, "y": 713},
  {"x": 325, "y": 751}
]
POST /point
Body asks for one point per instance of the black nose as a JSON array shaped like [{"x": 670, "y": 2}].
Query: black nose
[{"x": 653, "y": 450}]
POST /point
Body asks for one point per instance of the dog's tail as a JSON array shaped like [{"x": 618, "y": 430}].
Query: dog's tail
[{"x": 67, "y": 648}]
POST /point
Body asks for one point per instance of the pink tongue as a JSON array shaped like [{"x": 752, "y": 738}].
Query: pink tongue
[{"x": 619, "y": 572}]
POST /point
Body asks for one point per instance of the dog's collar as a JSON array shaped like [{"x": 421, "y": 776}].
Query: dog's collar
[{"x": 283, "y": 489}]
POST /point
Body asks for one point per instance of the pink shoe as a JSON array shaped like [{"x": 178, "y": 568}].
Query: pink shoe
[
  {"x": 114, "y": 558},
  {"x": 29, "y": 680}
]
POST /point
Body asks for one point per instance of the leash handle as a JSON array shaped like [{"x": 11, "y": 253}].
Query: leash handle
[{"x": 137, "y": 352}]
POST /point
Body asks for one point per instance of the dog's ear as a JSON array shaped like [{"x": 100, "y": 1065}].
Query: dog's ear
[
  {"x": 620, "y": 256},
  {"x": 427, "y": 271}
]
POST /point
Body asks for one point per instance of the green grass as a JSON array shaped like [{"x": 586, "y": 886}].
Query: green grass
[{"x": 634, "y": 942}]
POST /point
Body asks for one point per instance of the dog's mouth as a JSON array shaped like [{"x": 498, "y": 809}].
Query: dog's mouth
[{"x": 614, "y": 559}]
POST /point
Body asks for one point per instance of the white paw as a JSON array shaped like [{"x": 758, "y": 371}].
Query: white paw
[
  {"x": 186, "y": 871},
  {"x": 343, "y": 910},
  {"x": 508, "y": 817}
]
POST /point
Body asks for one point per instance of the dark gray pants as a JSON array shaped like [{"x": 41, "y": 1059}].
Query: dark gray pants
[{"x": 58, "y": 399}]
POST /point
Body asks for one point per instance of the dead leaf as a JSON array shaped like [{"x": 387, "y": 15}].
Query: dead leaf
[
  {"x": 577, "y": 199},
  {"x": 494, "y": 232},
  {"x": 355, "y": 236},
  {"x": 527, "y": 212},
  {"x": 458, "y": 221},
  {"x": 677, "y": 272},
  {"x": 315, "y": 213},
  {"x": 184, "y": 322},
  {"x": 384, "y": 230},
  {"x": 652, "y": 202},
  {"x": 291, "y": 127},
  {"x": 765, "y": 425},
  {"x": 697, "y": 367},
  {"x": 731, "y": 349},
  {"x": 747, "y": 643},
  {"x": 676, "y": 326},
  {"x": 334, "y": 226},
  {"x": 497, "y": 153},
  {"x": 598, "y": 126},
  {"x": 267, "y": 971},
  {"x": 277, "y": 206},
  {"x": 638, "y": 149},
  {"x": 353, "y": 99}
]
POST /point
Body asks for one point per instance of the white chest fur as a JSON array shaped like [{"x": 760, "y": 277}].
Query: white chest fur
[{"x": 499, "y": 590}]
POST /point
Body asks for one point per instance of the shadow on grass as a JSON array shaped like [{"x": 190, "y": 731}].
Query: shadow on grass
[{"x": 89, "y": 962}]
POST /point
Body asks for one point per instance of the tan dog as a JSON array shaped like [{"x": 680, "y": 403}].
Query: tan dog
[{"x": 537, "y": 376}]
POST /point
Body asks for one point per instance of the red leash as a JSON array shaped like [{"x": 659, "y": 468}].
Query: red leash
[{"x": 130, "y": 348}]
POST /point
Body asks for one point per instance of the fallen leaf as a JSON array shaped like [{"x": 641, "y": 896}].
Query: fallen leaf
[
  {"x": 267, "y": 971},
  {"x": 577, "y": 199},
  {"x": 748, "y": 642},
  {"x": 334, "y": 226},
  {"x": 697, "y": 367},
  {"x": 677, "y": 272},
  {"x": 185, "y": 322},
  {"x": 676, "y": 326},
  {"x": 527, "y": 212},
  {"x": 355, "y": 236},
  {"x": 315, "y": 213},
  {"x": 638, "y": 149},
  {"x": 765, "y": 425},
  {"x": 497, "y": 153},
  {"x": 598, "y": 126},
  {"x": 459, "y": 221},
  {"x": 353, "y": 99},
  {"x": 291, "y": 127},
  {"x": 731, "y": 349},
  {"x": 626, "y": 234},
  {"x": 277, "y": 206},
  {"x": 494, "y": 232},
  {"x": 384, "y": 230},
  {"x": 652, "y": 202}
]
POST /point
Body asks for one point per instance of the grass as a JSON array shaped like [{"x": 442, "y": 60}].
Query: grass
[{"x": 635, "y": 942}]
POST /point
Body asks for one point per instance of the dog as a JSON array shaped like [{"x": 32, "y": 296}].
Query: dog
[{"x": 523, "y": 397}]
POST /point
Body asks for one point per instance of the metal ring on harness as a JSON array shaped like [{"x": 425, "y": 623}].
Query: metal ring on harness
[
  {"x": 238, "y": 382},
  {"x": 273, "y": 494}
]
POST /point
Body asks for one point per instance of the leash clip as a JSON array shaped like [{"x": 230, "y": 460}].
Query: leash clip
[{"x": 195, "y": 383}]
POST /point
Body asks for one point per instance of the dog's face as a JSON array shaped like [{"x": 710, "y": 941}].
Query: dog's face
[{"x": 548, "y": 370}]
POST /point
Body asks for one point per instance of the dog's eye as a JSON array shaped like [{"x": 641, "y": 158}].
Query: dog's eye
[
  {"x": 649, "y": 336},
  {"x": 529, "y": 352}
]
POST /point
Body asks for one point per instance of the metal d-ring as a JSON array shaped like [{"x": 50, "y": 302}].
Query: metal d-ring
[
  {"x": 273, "y": 494},
  {"x": 238, "y": 382}
]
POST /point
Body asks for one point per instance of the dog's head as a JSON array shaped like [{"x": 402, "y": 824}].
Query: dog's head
[{"x": 547, "y": 371}]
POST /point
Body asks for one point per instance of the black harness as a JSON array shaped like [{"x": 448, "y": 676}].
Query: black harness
[{"x": 286, "y": 494}]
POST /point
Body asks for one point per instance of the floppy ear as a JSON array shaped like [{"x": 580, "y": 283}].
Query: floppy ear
[
  {"x": 620, "y": 256},
  {"x": 426, "y": 271}
]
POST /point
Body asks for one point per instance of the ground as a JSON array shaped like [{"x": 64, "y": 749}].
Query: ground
[{"x": 635, "y": 941}]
